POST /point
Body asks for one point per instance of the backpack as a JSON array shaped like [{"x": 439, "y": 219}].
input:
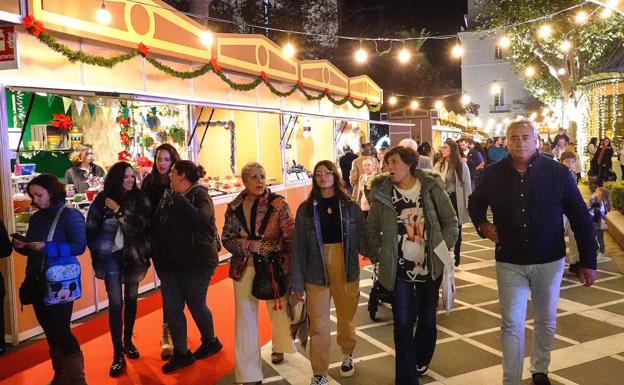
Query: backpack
[{"x": 62, "y": 270}]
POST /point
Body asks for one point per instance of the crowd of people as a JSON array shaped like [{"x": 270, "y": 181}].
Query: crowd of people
[{"x": 401, "y": 207}]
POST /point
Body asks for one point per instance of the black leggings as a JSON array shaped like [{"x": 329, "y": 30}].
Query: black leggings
[
  {"x": 116, "y": 306},
  {"x": 2, "y": 342},
  {"x": 457, "y": 249},
  {"x": 55, "y": 321}
]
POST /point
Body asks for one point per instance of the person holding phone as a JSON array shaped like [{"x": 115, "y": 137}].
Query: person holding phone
[
  {"x": 48, "y": 196},
  {"x": 5, "y": 251}
]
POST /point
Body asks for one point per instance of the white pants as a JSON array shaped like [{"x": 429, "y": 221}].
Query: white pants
[
  {"x": 515, "y": 282},
  {"x": 246, "y": 337}
]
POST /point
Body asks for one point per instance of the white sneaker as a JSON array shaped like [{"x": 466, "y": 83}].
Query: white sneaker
[
  {"x": 319, "y": 380},
  {"x": 347, "y": 368}
]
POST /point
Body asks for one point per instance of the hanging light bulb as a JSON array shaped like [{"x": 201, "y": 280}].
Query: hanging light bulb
[
  {"x": 504, "y": 42},
  {"x": 496, "y": 89},
  {"x": 581, "y": 17},
  {"x": 606, "y": 13},
  {"x": 438, "y": 105},
  {"x": 288, "y": 49},
  {"x": 414, "y": 105},
  {"x": 102, "y": 15},
  {"x": 206, "y": 38},
  {"x": 565, "y": 45},
  {"x": 457, "y": 51},
  {"x": 544, "y": 31},
  {"x": 361, "y": 55},
  {"x": 404, "y": 55},
  {"x": 529, "y": 71},
  {"x": 561, "y": 71},
  {"x": 465, "y": 99},
  {"x": 392, "y": 101}
]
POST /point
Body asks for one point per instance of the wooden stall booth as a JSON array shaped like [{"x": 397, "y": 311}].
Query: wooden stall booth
[{"x": 147, "y": 74}]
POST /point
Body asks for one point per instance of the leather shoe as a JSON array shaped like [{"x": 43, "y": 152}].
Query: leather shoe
[
  {"x": 540, "y": 379},
  {"x": 277, "y": 358},
  {"x": 131, "y": 351},
  {"x": 118, "y": 365}
]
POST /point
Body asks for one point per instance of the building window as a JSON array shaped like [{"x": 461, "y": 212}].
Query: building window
[
  {"x": 498, "y": 52},
  {"x": 499, "y": 98}
]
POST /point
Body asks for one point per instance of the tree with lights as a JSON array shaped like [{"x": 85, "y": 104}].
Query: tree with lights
[{"x": 553, "y": 55}]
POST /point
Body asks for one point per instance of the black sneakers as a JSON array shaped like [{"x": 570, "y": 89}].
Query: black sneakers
[
  {"x": 422, "y": 370},
  {"x": 347, "y": 368},
  {"x": 207, "y": 349},
  {"x": 540, "y": 379},
  {"x": 178, "y": 361}
]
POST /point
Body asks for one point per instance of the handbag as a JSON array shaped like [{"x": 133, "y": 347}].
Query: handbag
[
  {"x": 270, "y": 281},
  {"x": 62, "y": 270},
  {"x": 603, "y": 224}
]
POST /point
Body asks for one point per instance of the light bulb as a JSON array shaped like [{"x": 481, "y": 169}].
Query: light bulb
[
  {"x": 438, "y": 104},
  {"x": 414, "y": 105},
  {"x": 496, "y": 89},
  {"x": 606, "y": 13},
  {"x": 566, "y": 45},
  {"x": 544, "y": 31},
  {"x": 465, "y": 99},
  {"x": 504, "y": 42},
  {"x": 392, "y": 101},
  {"x": 561, "y": 71},
  {"x": 457, "y": 51},
  {"x": 404, "y": 55},
  {"x": 206, "y": 38},
  {"x": 529, "y": 72},
  {"x": 102, "y": 15},
  {"x": 581, "y": 17},
  {"x": 289, "y": 50},
  {"x": 361, "y": 55}
]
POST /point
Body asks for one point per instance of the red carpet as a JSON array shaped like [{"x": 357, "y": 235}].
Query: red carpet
[{"x": 31, "y": 365}]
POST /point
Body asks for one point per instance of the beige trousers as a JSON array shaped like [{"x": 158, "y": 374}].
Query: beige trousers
[
  {"x": 318, "y": 300},
  {"x": 248, "y": 364}
]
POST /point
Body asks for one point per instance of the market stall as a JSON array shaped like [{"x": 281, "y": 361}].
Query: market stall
[{"x": 146, "y": 78}]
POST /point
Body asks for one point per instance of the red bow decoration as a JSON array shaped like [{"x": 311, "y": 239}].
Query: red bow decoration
[
  {"x": 125, "y": 138},
  {"x": 143, "y": 161},
  {"x": 349, "y": 96},
  {"x": 300, "y": 84},
  {"x": 123, "y": 156},
  {"x": 62, "y": 121},
  {"x": 264, "y": 76},
  {"x": 143, "y": 49},
  {"x": 35, "y": 27},
  {"x": 215, "y": 65},
  {"x": 326, "y": 91}
]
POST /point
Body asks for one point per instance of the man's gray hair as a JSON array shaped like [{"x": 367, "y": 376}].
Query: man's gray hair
[
  {"x": 246, "y": 170},
  {"x": 522, "y": 122}
]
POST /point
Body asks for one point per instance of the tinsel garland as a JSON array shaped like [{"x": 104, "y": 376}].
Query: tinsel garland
[
  {"x": 228, "y": 125},
  {"x": 36, "y": 29}
]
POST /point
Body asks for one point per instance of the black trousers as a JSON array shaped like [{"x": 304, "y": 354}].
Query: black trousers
[
  {"x": 55, "y": 321},
  {"x": 457, "y": 249},
  {"x": 2, "y": 330}
]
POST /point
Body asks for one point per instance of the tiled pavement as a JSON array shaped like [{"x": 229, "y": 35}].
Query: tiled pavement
[{"x": 589, "y": 346}]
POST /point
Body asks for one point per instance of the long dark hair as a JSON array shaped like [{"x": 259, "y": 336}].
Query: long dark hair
[
  {"x": 113, "y": 184},
  {"x": 593, "y": 141},
  {"x": 52, "y": 185},
  {"x": 424, "y": 149},
  {"x": 340, "y": 189},
  {"x": 173, "y": 153},
  {"x": 454, "y": 159}
]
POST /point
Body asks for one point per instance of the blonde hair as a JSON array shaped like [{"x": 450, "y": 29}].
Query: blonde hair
[
  {"x": 246, "y": 170},
  {"x": 79, "y": 154}
]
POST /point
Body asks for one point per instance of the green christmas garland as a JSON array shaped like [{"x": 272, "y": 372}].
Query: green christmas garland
[{"x": 36, "y": 29}]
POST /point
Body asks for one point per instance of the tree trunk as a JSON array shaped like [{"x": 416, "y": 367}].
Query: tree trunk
[{"x": 199, "y": 7}]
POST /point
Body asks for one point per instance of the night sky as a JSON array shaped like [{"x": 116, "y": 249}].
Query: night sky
[{"x": 386, "y": 18}]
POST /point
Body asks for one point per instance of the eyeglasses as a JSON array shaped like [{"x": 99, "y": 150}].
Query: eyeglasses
[{"x": 321, "y": 173}]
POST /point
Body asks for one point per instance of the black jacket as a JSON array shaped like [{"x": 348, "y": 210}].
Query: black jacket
[
  {"x": 186, "y": 235},
  {"x": 5, "y": 243},
  {"x": 528, "y": 212}
]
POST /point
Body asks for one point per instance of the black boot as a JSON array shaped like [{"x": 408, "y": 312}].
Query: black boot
[
  {"x": 179, "y": 360},
  {"x": 73, "y": 367},
  {"x": 118, "y": 365},
  {"x": 131, "y": 351},
  {"x": 56, "y": 355},
  {"x": 208, "y": 348}
]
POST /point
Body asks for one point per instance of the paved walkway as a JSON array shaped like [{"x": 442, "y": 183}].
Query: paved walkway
[{"x": 589, "y": 346}]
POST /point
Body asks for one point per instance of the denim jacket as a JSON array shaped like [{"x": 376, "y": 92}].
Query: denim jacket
[{"x": 308, "y": 263}]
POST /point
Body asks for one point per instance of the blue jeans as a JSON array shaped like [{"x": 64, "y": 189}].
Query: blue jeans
[
  {"x": 515, "y": 282},
  {"x": 122, "y": 309},
  {"x": 414, "y": 303},
  {"x": 599, "y": 237},
  {"x": 179, "y": 289}
]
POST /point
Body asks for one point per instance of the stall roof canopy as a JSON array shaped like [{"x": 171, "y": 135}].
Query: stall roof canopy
[
  {"x": 614, "y": 69},
  {"x": 171, "y": 34}
]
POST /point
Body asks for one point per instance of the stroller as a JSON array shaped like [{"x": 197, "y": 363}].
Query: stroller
[{"x": 377, "y": 294}]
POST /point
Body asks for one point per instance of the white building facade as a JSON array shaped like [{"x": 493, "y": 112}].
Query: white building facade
[{"x": 488, "y": 79}]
